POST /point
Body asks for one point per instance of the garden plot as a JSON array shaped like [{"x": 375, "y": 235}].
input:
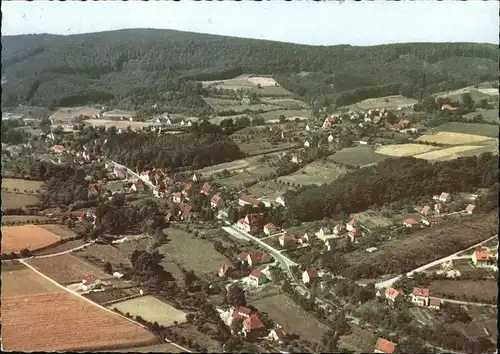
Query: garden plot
[
  {"x": 17, "y": 200},
  {"x": 450, "y": 138},
  {"x": 359, "y": 156},
  {"x": 151, "y": 309},
  {"x": 399, "y": 150},
  {"x": 359, "y": 341}
]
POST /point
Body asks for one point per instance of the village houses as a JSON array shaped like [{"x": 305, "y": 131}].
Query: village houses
[
  {"x": 277, "y": 334},
  {"x": 248, "y": 200},
  {"x": 420, "y": 296},
  {"x": 287, "y": 241},
  {"x": 393, "y": 296},
  {"x": 257, "y": 277},
  {"x": 217, "y": 202}
]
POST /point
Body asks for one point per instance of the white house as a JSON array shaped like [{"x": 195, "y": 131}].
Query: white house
[
  {"x": 189, "y": 123},
  {"x": 306, "y": 144},
  {"x": 183, "y": 123},
  {"x": 330, "y": 138},
  {"x": 309, "y": 275},
  {"x": 420, "y": 296},
  {"x": 307, "y": 127},
  {"x": 195, "y": 178}
]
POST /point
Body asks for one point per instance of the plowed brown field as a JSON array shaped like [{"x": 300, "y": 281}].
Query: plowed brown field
[
  {"x": 66, "y": 268},
  {"x": 64, "y": 322},
  {"x": 32, "y": 237}
]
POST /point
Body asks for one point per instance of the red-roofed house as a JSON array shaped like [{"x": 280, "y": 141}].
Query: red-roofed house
[
  {"x": 426, "y": 210},
  {"x": 205, "y": 189},
  {"x": 394, "y": 126},
  {"x": 177, "y": 197},
  {"x": 483, "y": 259},
  {"x": 277, "y": 334},
  {"x": 393, "y": 296},
  {"x": 364, "y": 140},
  {"x": 91, "y": 282},
  {"x": 309, "y": 275},
  {"x": 251, "y": 258},
  {"x": 224, "y": 269},
  {"x": 353, "y": 234},
  {"x": 216, "y": 201},
  {"x": 257, "y": 277},
  {"x": 186, "y": 190},
  {"x": 448, "y": 107},
  {"x": 137, "y": 186},
  {"x": 94, "y": 189},
  {"x": 435, "y": 304},
  {"x": 184, "y": 212},
  {"x": 251, "y": 222},
  {"x": 384, "y": 346},
  {"x": 58, "y": 149},
  {"x": 270, "y": 228},
  {"x": 351, "y": 225},
  {"x": 444, "y": 197},
  {"x": 248, "y": 200},
  {"x": 420, "y": 296},
  {"x": 330, "y": 244},
  {"x": 409, "y": 222},
  {"x": 252, "y": 323},
  {"x": 287, "y": 241},
  {"x": 469, "y": 208}
]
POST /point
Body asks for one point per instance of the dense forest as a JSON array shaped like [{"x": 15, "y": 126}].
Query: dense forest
[
  {"x": 138, "y": 68},
  {"x": 146, "y": 150},
  {"x": 11, "y": 135},
  {"x": 392, "y": 180}
]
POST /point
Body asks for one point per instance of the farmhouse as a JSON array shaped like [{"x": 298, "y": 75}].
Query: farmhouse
[
  {"x": 248, "y": 200},
  {"x": 270, "y": 228},
  {"x": 145, "y": 176},
  {"x": 58, "y": 149},
  {"x": 351, "y": 225},
  {"x": 287, "y": 241},
  {"x": 364, "y": 141},
  {"x": 79, "y": 214},
  {"x": 224, "y": 269},
  {"x": 252, "y": 258},
  {"x": 483, "y": 259},
  {"x": 251, "y": 222},
  {"x": 252, "y": 323},
  {"x": 328, "y": 122},
  {"x": 177, "y": 197},
  {"x": 277, "y": 334},
  {"x": 90, "y": 283},
  {"x": 330, "y": 138},
  {"x": 444, "y": 197},
  {"x": 353, "y": 234},
  {"x": 420, "y": 296},
  {"x": 384, "y": 346},
  {"x": 435, "y": 304},
  {"x": 426, "y": 210},
  {"x": 469, "y": 208},
  {"x": 217, "y": 202},
  {"x": 409, "y": 222},
  {"x": 280, "y": 200},
  {"x": 205, "y": 189},
  {"x": 309, "y": 275},
  {"x": 137, "y": 186},
  {"x": 393, "y": 296},
  {"x": 257, "y": 277}
]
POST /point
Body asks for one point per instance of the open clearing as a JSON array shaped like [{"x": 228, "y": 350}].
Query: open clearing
[
  {"x": 294, "y": 319},
  {"x": 16, "y": 200},
  {"x": 120, "y": 124},
  {"x": 484, "y": 130},
  {"x": 66, "y": 268},
  {"x": 452, "y": 152},
  {"x": 17, "y": 279},
  {"x": 262, "y": 81},
  {"x": 70, "y": 323},
  {"x": 290, "y": 114},
  {"x": 21, "y": 184},
  {"x": 32, "y": 237},
  {"x": 249, "y": 82},
  {"x": 449, "y": 138},
  {"x": 68, "y": 114},
  {"x": 482, "y": 290},
  {"x": 489, "y": 115},
  {"x": 389, "y": 102},
  {"x": 357, "y": 156},
  {"x": 399, "y": 150},
  {"x": 192, "y": 253},
  {"x": 316, "y": 172},
  {"x": 118, "y": 113},
  {"x": 151, "y": 309},
  {"x": 371, "y": 219},
  {"x": 358, "y": 341}
]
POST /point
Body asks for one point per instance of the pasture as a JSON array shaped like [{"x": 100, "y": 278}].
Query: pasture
[
  {"x": 66, "y": 269},
  {"x": 21, "y": 184},
  {"x": 489, "y": 115},
  {"x": 68, "y": 114},
  {"x": 17, "y": 280},
  {"x": 484, "y": 130},
  {"x": 400, "y": 150},
  {"x": 290, "y": 114},
  {"x": 248, "y": 83},
  {"x": 482, "y": 290},
  {"x": 118, "y": 113},
  {"x": 388, "y": 102},
  {"x": 450, "y": 138},
  {"x": 483, "y": 90},
  {"x": 31, "y": 237},
  {"x": 316, "y": 173},
  {"x": 293, "y": 318},
  {"x": 17, "y": 200},
  {"x": 151, "y": 309},
  {"x": 358, "y": 156},
  {"x": 104, "y": 253},
  {"x": 226, "y": 105},
  {"x": 192, "y": 253},
  {"x": 71, "y": 324},
  {"x": 456, "y": 152},
  {"x": 371, "y": 219}
]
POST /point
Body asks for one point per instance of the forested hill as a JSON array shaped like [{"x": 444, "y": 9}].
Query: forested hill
[{"x": 133, "y": 67}]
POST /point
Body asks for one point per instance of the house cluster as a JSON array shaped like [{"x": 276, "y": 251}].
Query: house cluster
[
  {"x": 419, "y": 297},
  {"x": 256, "y": 276},
  {"x": 485, "y": 259},
  {"x": 251, "y": 324}
]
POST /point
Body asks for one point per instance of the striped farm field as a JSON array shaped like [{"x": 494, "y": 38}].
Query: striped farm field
[
  {"x": 66, "y": 268},
  {"x": 61, "y": 321},
  {"x": 448, "y": 153},
  {"x": 399, "y": 150},
  {"x": 449, "y": 138},
  {"x": 31, "y": 237}
]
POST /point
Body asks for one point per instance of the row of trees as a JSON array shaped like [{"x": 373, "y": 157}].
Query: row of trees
[{"x": 392, "y": 180}]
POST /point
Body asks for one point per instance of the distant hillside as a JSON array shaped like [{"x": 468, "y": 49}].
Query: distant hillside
[{"x": 134, "y": 69}]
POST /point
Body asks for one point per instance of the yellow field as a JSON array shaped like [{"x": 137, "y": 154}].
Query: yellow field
[
  {"x": 446, "y": 154},
  {"x": 263, "y": 81},
  {"x": 399, "y": 150},
  {"x": 449, "y": 138}
]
